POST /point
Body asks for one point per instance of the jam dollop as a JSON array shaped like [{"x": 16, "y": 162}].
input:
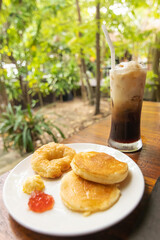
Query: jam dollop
[{"x": 40, "y": 202}]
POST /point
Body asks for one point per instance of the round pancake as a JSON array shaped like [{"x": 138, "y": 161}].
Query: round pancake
[
  {"x": 81, "y": 195},
  {"x": 99, "y": 167}
]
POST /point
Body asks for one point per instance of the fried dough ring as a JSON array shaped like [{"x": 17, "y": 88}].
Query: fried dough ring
[{"x": 52, "y": 159}]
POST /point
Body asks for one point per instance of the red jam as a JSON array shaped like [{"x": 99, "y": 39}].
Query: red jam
[{"x": 40, "y": 202}]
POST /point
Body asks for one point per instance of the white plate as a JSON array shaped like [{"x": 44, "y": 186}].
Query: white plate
[{"x": 61, "y": 221}]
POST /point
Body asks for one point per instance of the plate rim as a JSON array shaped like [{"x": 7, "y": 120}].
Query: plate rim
[{"x": 84, "y": 232}]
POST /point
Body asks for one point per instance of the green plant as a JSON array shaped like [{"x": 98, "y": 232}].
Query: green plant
[
  {"x": 20, "y": 129},
  {"x": 64, "y": 77},
  {"x": 105, "y": 88},
  {"x": 151, "y": 81}
]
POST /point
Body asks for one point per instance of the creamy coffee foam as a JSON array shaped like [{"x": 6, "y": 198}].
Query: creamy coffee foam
[{"x": 128, "y": 66}]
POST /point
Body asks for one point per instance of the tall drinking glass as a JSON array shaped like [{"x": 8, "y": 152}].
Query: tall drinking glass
[{"x": 127, "y": 81}]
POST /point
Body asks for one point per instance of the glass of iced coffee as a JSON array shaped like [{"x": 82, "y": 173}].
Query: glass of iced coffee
[{"x": 127, "y": 81}]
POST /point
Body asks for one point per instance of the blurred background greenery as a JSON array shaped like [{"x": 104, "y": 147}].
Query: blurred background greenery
[{"x": 55, "y": 49}]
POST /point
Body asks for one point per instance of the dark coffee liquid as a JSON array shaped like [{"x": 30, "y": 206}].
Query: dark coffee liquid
[{"x": 125, "y": 127}]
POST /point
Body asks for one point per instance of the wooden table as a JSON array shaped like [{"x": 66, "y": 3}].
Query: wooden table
[{"x": 148, "y": 159}]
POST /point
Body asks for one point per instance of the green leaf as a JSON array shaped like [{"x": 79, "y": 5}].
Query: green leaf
[
  {"x": 30, "y": 146},
  {"x": 29, "y": 110},
  {"x": 59, "y": 130},
  {"x": 25, "y": 136},
  {"x": 17, "y": 122},
  {"x": 17, "y": 140},
  {"x": 47, "y": 129},
  {"x": 38, "y": 129}
]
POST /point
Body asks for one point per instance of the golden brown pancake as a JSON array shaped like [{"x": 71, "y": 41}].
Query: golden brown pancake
[
  {"x": 52, "y": 159},
  {"x": 99, "y": 167},
  {"x": 81, "y": 195}
]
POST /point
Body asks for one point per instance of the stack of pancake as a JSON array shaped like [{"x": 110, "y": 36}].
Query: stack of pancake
[{"x": 91, "y": 186}]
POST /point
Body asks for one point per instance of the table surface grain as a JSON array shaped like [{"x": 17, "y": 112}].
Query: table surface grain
[{"x": 148, "y": 159}]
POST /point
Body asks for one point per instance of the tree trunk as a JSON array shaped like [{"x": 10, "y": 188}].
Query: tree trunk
[
  {"x": 156, "y": 66},
  {"x": 61, "y": 97},
  {"x": 89, "y": 88},
  {"x": 83, "y": 65},
  {"x": 0, "y": 5},
  {"x": 26, "y": 90},
  {"x": 74, "y": 93},
  {"x": 3, "y": 93},
  {"x": 3, "y": 96},
  {"x": 54, "y": 97},
  {"x": 83, "y": 91},
  {"x": 24, "y": 96},
  {"x": 40, "y": 98},
  {"x": 98, "y": 72}
]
